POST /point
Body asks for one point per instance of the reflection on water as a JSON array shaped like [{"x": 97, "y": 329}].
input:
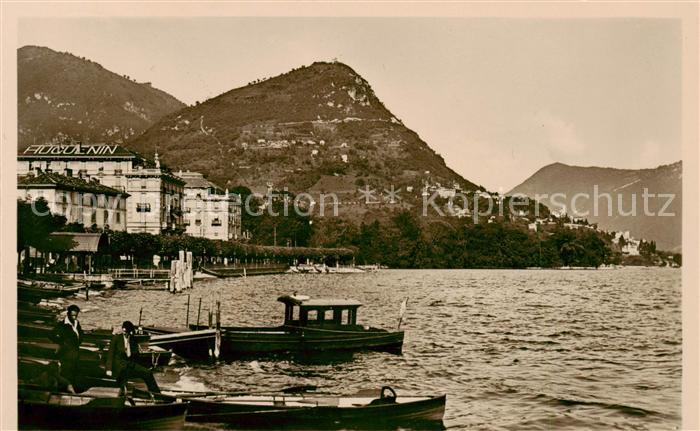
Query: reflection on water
[{"x": 541, "y": 349}]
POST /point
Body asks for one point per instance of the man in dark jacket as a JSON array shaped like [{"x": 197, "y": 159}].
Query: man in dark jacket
[
  {"x": 68, "y": 335},
  {"x": 121, "y": 360}
]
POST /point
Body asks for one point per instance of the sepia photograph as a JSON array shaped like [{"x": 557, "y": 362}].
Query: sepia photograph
[{"x": 344, "y": 216}]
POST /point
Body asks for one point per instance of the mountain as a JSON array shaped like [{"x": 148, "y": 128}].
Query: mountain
[
  {"x": 317, "y": 128},
  {"x": 624, "y": 186},
  {"x": 62, "y": 96}
]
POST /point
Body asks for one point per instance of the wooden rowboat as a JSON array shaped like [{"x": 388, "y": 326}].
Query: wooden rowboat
[
  {"x": 36, "y": 294},
  {"x": 320, "y": 412},
  {"x": 39, "y": 409}
]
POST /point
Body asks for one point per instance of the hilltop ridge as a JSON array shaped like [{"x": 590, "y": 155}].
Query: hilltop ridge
[
  {"x": 622, "y": 185},
  {"x": 293, "y": 129},
  {"x": 63, "y": 96}
]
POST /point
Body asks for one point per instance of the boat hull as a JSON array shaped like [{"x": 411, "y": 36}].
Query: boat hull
[
  {"x": 424, "y": 414},
  {"x": 37, "y": 415},
  {"x": 188, "y": 344},
  {"x": 237, "y": 342}
]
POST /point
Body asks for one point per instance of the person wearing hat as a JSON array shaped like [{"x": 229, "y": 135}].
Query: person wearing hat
[
  {"x": 68, "y": 335},
  {"x": 121, "y": 360}
]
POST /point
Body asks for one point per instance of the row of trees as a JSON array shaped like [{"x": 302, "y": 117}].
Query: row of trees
[
  {"x": 402, "y": 241},
  {"x": 408, "y": 241},
  {"x": 142, "y": 246}
]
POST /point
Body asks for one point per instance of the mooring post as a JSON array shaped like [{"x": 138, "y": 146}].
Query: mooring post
[
  {"x": 199, "y": 310},
  {"x": 187, "y": 319},
  {"x": 217, "y": 339}
]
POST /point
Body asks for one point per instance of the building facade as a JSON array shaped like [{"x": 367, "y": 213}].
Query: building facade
[
  {"x": 156, "y": 200},
  {"x": 155, "y": 196},
  {"x": 210, "y": 212},
  {"x": 80, "y": 201}
]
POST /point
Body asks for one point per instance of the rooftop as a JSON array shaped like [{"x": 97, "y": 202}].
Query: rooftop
[
  {"x": 305, "y": 301},
  {"x": 196, "y": 180},
  {"x": 58, "y": 181}
]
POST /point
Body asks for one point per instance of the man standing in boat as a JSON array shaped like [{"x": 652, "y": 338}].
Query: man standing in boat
[
  {"x": 121, "y": 360},
  {"x": 68, "y": 335}
]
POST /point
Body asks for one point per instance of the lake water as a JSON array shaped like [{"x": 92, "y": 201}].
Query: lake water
[{"x": 513, "y": 349}]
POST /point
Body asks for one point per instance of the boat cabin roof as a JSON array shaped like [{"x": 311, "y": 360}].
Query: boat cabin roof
[{"x": 307, "y": 302}]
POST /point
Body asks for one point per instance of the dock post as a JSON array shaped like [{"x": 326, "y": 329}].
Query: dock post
[
  {"x": 172, "y": 284},
  {"x": 189, "y": 270},
  {"x": 199, "y": 311},
  {"x": 187, "y": 319},
  {"x": 211, "y": 350},
  {"x": 217, "y": 340}
]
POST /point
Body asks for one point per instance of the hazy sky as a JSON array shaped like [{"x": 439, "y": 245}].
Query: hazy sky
[{"x": 497, "y": 98}]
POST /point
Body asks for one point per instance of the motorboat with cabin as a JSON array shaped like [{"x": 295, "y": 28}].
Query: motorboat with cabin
[{"x": 310, "y": 325}]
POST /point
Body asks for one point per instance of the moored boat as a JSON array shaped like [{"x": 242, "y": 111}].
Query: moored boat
[
  {"x": 198, "y": 344},
  {"x": 34, "y": 294},
  {"x": 319, "y": 411},
  {"x": 38, "y": 409},
  {"x": 310, "y": 325}
]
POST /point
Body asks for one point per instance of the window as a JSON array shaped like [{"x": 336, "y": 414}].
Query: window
[
  {"x": 295, "y": 312},
  {"x": 216, "y": 222},
  {"x": 100, "y": 171},
  {"x": 143, "y": 208},
  {"x": 345, "y": 317},
  {"x": 118, "y": 217},
  {"x": 198, "y": 222},
  {"x": 328, "y": 315},
  {"x": 69, "y": 172},
  {"x": 93, "y": 217},
  {"x": 118, "y": 172},
  {"x": 312, "y": 315},
  {"x": 144, "y": 184},
  {"x": 82, "y": 173},
  {"x": 106, "y": 216}
]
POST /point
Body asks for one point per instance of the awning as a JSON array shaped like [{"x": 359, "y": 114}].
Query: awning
[{"x": 84, "y": 242}]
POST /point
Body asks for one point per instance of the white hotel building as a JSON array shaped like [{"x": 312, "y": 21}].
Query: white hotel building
[
  {"x": 210, "y": 212},
  {"x": 155, "y": 196},
  {"x": 79, "y": 201}
]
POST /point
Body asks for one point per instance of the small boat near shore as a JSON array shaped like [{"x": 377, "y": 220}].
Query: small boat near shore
[
  {"x": 96, "y": 409},
  {"x": 317, "y": 411},
  {"x": 310, "y": 325},
  {"x": 34, "y": 295}
]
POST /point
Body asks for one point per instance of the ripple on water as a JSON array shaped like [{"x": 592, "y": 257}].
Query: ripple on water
[{"x": 512, "y": 349}]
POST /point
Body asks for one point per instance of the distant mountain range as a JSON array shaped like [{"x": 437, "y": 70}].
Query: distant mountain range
[
  {"x": 621, "y": 185},
  {"x": 63, "y": 96},
  {"x": 319, "y": 127}
]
